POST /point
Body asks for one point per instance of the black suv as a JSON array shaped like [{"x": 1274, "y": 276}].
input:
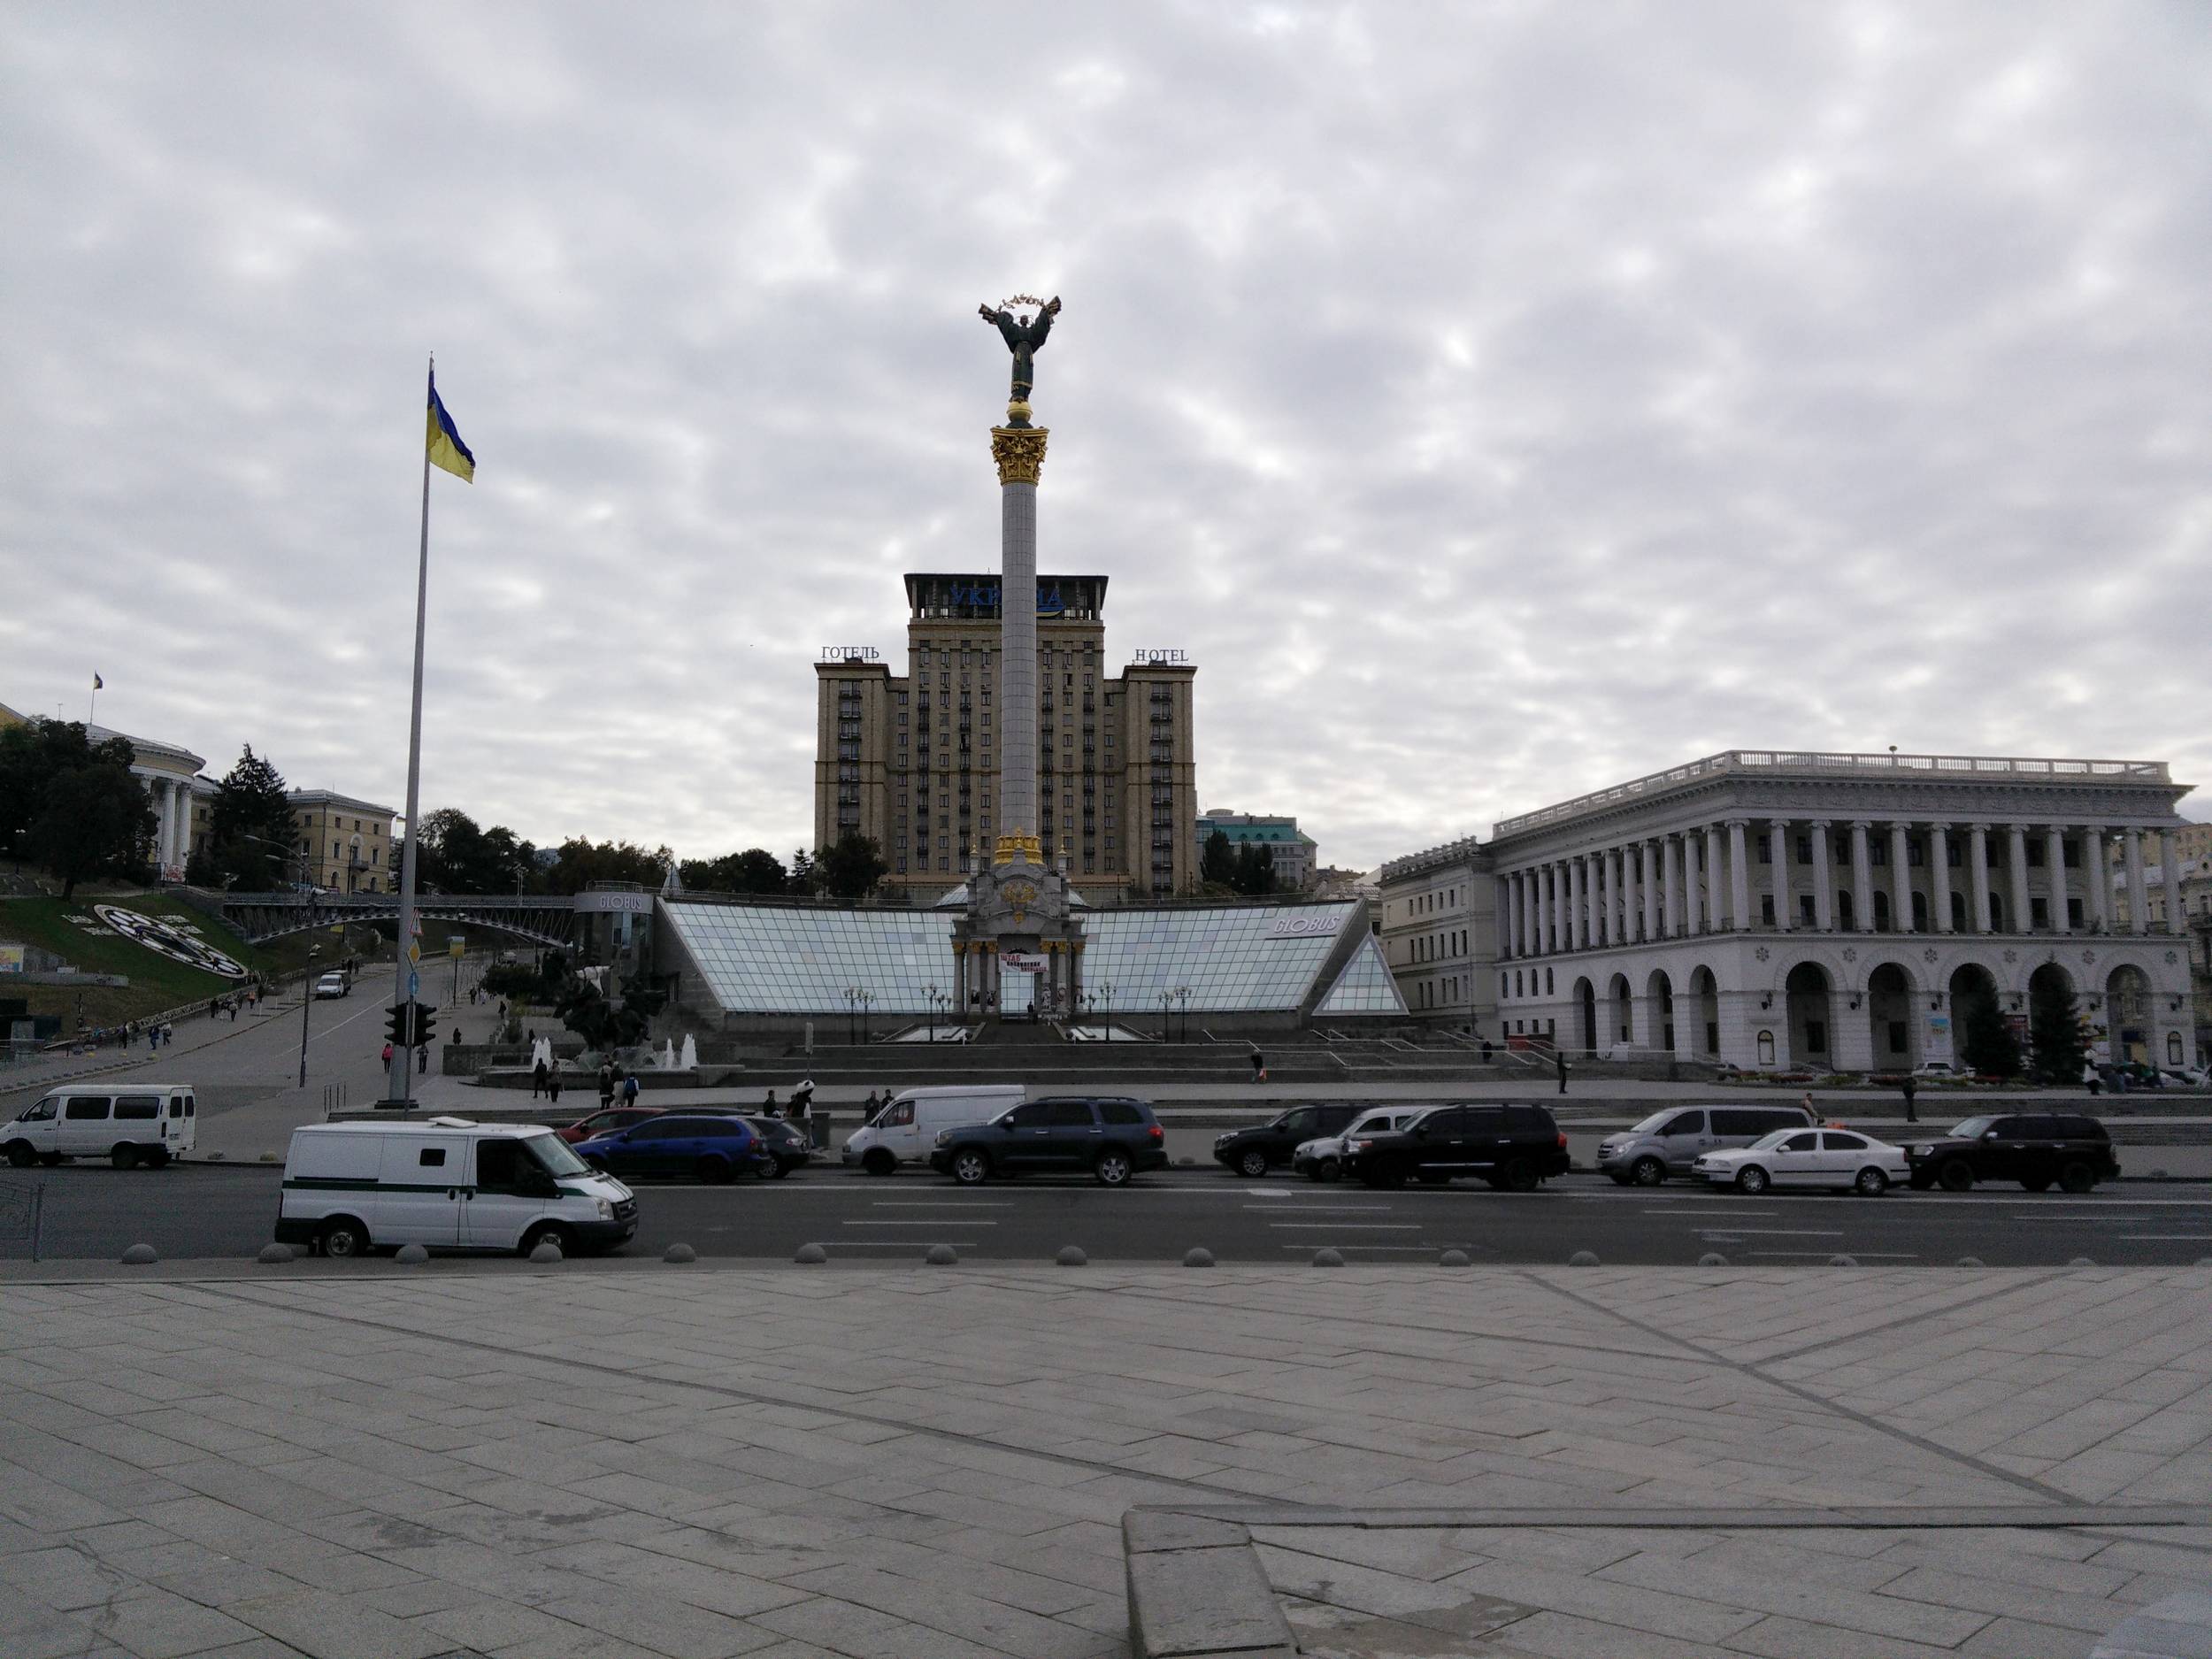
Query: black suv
[
  {"x": 2032, "y": 1149},
  {"x": 1112, "y": 1136},
  {"x": 1262, "y": 1146},
  {"x": 1510, "y": 1146}
]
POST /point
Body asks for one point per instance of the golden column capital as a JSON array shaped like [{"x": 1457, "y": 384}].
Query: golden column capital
[{"x": 1019, "y": 452}]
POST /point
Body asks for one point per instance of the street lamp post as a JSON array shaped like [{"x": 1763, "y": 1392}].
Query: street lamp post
[
  {"x": 852, "y": 1000},
  {"x": 931, "y": 992},
  {"x": 1182, "y": 1002},
  {"x": 1166, "y": 1034},
  {"x": 1106, "y": 991},
  {"x": 867, "y": 999},
  {"x": 307, "y": 995}
]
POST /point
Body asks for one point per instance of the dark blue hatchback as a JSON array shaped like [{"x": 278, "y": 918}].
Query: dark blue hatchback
[{"x": 703, "y": 1147}]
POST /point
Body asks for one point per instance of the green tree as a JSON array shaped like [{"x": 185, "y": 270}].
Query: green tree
[
  {"x": 458, "y": 857},
  {"x": 250, "y": 803},
  {"x": 755, "y": 870},
  {"x": 1989, "y": 1047},
  {"x": 2054, "y": 1037},
  {"x": 804, "y": 877},
  {"x": 35, "y": 756},
  {"x": 1253, "y": 872},
  {"x": 851, "y": 867},
  {"x": 1217, "y": 862},
  {"x": 96, "y": 819},
  {"x": 583, "y": 862}
]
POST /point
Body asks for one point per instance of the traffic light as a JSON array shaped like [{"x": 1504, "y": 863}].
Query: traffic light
[
  {"x": 396, "y": 1023},
  {"x": 426, "y": 1023}
]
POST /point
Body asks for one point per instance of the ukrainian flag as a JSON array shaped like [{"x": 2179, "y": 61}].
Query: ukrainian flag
[{"x": 446, "y": 448}]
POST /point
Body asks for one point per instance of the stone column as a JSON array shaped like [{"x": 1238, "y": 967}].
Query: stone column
[
  {"x": 1978, "y": 870},
  {"x": 1647, "y": 887},
  {"x": 1592, "y": 905},
  {"x": 1541, "y": 909},
  {"x": 2054, "y": 856},
  {"x": 1508, "y": 923},
  {"x": 1692, "y": 896},
  {"x": 1861, "y": 878},
  {"x": 2169, "y": 878},
  {"x": 2139, "y": 893},
  {"x": 1779, "y": 850},
  {"x": 1577, "y": 904},
  {"x": 1670, "y": 875},
  {"x": 1824, "y": 880},
  {"x": 1020, "y": 453},
  {"x": 1715, "y": 899},
  {"x": 1900, "y": 879},
  {"x": 2016, "y": 868},
  {"x": 1940, "y": 874},
  {"x": 2098, "y": 876},
  {"x": 1739, "y": 876}
]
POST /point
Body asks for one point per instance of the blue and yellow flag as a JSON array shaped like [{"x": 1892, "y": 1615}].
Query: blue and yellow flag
[{"x": 446, "y": 448}]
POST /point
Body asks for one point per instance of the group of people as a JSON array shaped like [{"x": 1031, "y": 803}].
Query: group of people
[{"x": 799, "y": 1110}]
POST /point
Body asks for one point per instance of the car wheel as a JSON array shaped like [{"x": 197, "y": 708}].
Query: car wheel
[
  {"x": 343, "y": 1238},
  {"x": 21, "y": 1156},
  {"x": 1252, "y": 1163},
  {"x": 1648, "y": 1171},
  {"x": 1873, "y": 1183},
  {"x": 1751, "y": 1178},
  {"x": 2037, "y": 1183},
  {"x": 878, "y": 1161},
  {"x": 1957, "y": 1176},
  {"x": 971, "y": 1168},
  {"x": 123, "y": 1157},
  {"x": 1519, "y": 1176},
  {"x": 2076, "y": 1177},
  {"x": 549, "y": 1232},
  {"x": 777, "y": 1170},
  {"x": 1328, "y": 1170},
  {"x": 1113, "y": 1168}
]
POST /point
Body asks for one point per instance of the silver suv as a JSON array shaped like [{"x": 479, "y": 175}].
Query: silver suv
[{"x": 1668, "y": 1142}]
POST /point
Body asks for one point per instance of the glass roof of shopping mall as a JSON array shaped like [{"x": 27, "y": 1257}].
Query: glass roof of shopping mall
[
  {"x": 1365, "y": 987},
  {"x": 762, "y": 959}
]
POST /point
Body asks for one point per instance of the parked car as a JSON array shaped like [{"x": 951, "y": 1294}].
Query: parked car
[
  {"x": 707, "y": 1146},
  {"x": 126, "y": 1124},
  {"x": 905, "y": 1128},
  {"x": 786, "y": 1144},
  {"x": 1510, "y": 1146},
  {"x": 1322, "y": 1158},
  {"x": 2034, "y": 1148},
  {"x": 445, "y": 1183},
  {"x": 1840, "y": 1159},
  {"x": 602, "y": 1123},
  {"x": 1259, "y": 1147},
  {"x": 1114, "y": 1137},
  {"x": 333, "y": 984},
  {"x": 1938, "y": 1068},
  {"x": 1670, "y": 1142}
]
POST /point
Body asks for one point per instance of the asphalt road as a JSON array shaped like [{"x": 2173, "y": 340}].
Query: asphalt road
[{"x": 94, "y": 1212}]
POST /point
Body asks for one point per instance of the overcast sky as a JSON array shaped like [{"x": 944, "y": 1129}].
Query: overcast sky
[{"x": 1497, "y": 401}]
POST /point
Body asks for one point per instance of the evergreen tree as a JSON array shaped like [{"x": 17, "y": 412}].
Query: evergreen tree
[
  {"x": 1989, "y": 1048},
  {"x": 95, "y": 819},
  {"x": 1217, "y": 863},
  {"x": 2054, "y": 1036},
  {"x": 851, "y": 867},
  {"x": 804, "y": 877},
  {"x": 755, "y": 870},
  {"x": 34, "y": 757},
  {"x": 251, "y": 810}
]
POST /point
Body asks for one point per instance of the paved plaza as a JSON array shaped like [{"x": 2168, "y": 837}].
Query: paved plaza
[{"x": 636, "y": 1459}]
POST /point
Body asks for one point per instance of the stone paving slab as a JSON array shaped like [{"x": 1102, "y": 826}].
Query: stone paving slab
[{"x": 736, "y": 1460}]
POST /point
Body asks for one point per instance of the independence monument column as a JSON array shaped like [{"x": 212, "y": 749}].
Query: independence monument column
[{"x": 1017, "y": 920}]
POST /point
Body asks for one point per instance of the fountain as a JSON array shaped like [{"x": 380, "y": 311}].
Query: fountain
[
  {"x": 690, "y": 1062},
  {"x": 541, "y": 1053},
  {"x": 666, "y": 1061}
]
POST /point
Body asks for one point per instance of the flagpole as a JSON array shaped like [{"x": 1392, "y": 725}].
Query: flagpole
[{"x": 402, "y": 1061}]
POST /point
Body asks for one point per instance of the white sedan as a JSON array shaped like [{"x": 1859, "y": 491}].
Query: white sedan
[{"x": 1834, "y": 1158}]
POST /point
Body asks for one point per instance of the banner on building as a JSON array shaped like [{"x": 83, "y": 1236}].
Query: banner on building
[{"x": 1021, "y": 962}]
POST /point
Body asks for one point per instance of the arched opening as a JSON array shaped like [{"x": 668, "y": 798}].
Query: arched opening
[
  {"x": 2056, "y": 1042},
  {"x": 1704, "y": 1012},
  {"x": 1586, "y": 1006},
  {"x": 1889, "y": 1019},
  {"x": 2127, "y": 996},
  {"x": 1619, "y": 1020},
  {"x": 1659, "y": 996},
  {"x": 1766, "y": 1048},
  {"x": 1983, "y": 1038},
  {"x": 1807, "y": 993}
]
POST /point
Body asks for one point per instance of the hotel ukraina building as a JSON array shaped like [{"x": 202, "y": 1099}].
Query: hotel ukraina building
[
  {"x": 911, "y": 761},
  {"x": 1775, "y": 910}
]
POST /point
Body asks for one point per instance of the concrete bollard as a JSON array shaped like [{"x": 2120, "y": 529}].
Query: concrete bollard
[
  {"x": 546, "y": 1253},
  {"x": 411, "y": 1255},
  {"x": 810, "y": 1256},
  {"x": 1843, "y": 1260},
  {"x": 1712, "y": 1258},
  {"x": 1969, "y": 1260},
  {"x": 1583, "y": 1258},
  {"x": 274, "y": 1255},
  {"x": 1198, "y": 1255},
  {"x": 680, "y": 1254},
  {"x": 140, "y": 1256},
  {"x": 1452, "y": 1258},
  {"x": 942, "y": 1255},
  {"x": 1325, "y": 1258},
  {"x": 1071, "y": 1255},
  {"x": 2081, "y": 1261}
]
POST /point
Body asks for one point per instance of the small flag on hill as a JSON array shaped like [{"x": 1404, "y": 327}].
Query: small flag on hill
[
  {"x": 446, "y": 448},
  {"x": 98, "y": 684}
]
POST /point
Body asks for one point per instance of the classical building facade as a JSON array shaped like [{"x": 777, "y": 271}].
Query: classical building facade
[
  {"x": 912, "y": 761},
  {"x": 1294, "y": 851},
  {"x": 1438, "y": 925},
  {"x": 1834, "y": 911},
  {"x": 347, "y": 843}
]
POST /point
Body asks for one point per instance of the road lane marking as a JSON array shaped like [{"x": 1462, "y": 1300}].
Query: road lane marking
[
  {"x": 1352, "y": 1227},
  {"x": 2161, "y": 1238},
  {"x": 1775, "y": 1232},
  {"x": 1422, "y": 1248},
  {"x": 1321, "y": 1209},
  {"x": 911, "y": 1223},
  {"x": 942, "y": 1204},
  {"x": 1711, "y": 1212},
  {"x": 893, "y": 1244}
]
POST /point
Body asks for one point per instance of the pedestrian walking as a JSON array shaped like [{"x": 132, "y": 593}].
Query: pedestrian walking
[
  {"x": 606, "y": 1084},
  {"x": 803, "y": 1100},
  {"x": 553, "y": 1085},
  {"x": 768, "y": 1104},
  {"x": 1806, "y": 1101},
  {"x": 537, "y": 1079},
  {"x": 422, "y": 1056},
  {"x": 1911, "y": 1117},
  {"x": 629, "y": 1088},
  {"x": 388, "y": 1057},
  {"x": 168, "y": 1034},
  {"x": 1485, "y": 1051}
]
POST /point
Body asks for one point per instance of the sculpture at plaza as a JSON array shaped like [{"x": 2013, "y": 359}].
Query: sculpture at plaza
[{"x": 1024, "y": 338}]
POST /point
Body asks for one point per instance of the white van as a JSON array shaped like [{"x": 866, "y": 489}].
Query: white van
[
  {"x": 905, "y": 1131},
  {"x": 124, "y": 1123},
  {"x": 446, "y": 1183}
]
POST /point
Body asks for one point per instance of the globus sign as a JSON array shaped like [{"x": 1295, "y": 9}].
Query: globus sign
[{"x": 1302, "y": 927}]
